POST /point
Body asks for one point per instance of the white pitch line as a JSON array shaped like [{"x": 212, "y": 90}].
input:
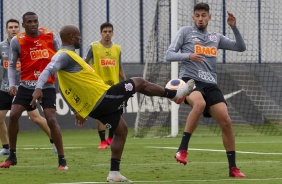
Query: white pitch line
[
  {"x": 160, "y": 164},
  {"x": 48, "y": 148},
  {"x": 213, "y": 150},
  {"x": 181, "y": 181}
]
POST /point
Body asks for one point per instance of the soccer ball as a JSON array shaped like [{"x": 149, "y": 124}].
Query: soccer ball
[{"x": 174, "y": 84}]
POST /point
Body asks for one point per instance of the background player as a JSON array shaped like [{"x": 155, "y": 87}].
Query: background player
[
  {"x": 104, "y": 57},
  {"x": 12, "y": 28},
  {"x": 34, "y": 48}
]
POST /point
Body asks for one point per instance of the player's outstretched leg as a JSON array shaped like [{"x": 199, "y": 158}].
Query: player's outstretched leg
[{"x": 185, "y": 90}]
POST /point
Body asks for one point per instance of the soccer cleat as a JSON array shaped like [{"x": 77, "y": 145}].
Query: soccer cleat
[
  {"x": 180, "y": 156},
  {"x": 55, "y": 149},
  {"x": 109, "y": 140},
  {"x": 235, "y": 172},
  {"x": 115, "y": 176},
  {"x": 8, "y": 162},
  {"x": 4, "y": 151},
  {"x": 63, "y": 167},
  {"x": 103, "y": 145},
  {"x": 185, "y": 90}
]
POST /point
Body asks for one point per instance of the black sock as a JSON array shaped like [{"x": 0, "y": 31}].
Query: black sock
[
  {"x": 102, "y": 135},
  {"x": 115, "y": 164},
  {"x": 62, "y": 160},
  {"x": 169, "y": 93},
  {"x": 231, "y": 158},
  {"x": 6, "y": 146},
  {"x": 111, "y": 133},
  {"x": 185, "y": 141},
  {"x": 51, "y": 141},
  {"x": 13, "y": 153}
]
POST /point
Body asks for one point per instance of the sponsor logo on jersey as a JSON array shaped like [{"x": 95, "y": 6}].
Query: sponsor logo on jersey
[
  {"x": 68, "y": 91},
  {"x": 108, "y": 62},
  {"x": 30, "y": 83},
  {"x": 107, "y": 53},
  {"x": 39, "y": 54},
  {"x": 209, "y": 51},
  {"x": 6, "y": 65},
  {"x": 76, "y": 98},
  {"x": 207, "y": 76}
]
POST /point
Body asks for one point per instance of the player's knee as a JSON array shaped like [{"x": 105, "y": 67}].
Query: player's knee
[
  {"x": 199, "y": 106},
  {"x": 121, "y": 132},
  {"x": 14, "y": 116},
  {"x": 52, "y": 122},
  {"x": 226, "y": 123}
]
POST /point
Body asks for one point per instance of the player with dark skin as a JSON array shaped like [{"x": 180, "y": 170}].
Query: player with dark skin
[
  {"x": 25, "y": 46},
  {"x": 12, "y": 29},
  {"x": 88, "y": 95}
]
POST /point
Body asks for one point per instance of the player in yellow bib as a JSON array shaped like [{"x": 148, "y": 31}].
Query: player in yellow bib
[
  {"x": 88, "y": 95},
  {"x": 104, "y": 57}
]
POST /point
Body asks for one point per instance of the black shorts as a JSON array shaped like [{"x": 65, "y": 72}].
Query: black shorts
[
  {"x": 24, "y": 97},
  {"x": 5, "y": 100},
  {"x": 211, "y": 94},
  {"x": 111, "y": 107}
]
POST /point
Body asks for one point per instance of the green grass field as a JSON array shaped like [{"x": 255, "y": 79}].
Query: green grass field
[{"x": 144, "y": 160}]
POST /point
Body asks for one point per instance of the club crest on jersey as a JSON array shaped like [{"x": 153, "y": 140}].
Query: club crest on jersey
[
  {"x": 36, "y": 73},
  {"x": 128, "y": 87},
  {"x": 37, "y": 44},
  {"x": 213, "y": 37}
]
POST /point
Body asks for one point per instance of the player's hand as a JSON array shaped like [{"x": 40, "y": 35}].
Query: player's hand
[
  {"x": 37, "y": 95},
  {"x": 231, "y": 20},
  {"x": 196, "y": 57},
  {"x": 79, "y": 121},
  {"x": 13, "y": 91}
]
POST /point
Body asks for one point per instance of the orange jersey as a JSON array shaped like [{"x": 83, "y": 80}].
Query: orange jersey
[{"x": 36, "y": 53}]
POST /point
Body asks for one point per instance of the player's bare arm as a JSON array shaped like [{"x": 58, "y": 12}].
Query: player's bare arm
[
  {"x": 13, "y": 91},
  {"x": 37, "y": 95},
  {"x": 79, "y": 121}
]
